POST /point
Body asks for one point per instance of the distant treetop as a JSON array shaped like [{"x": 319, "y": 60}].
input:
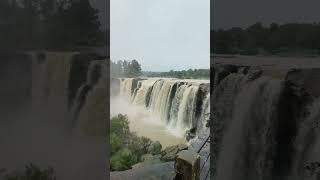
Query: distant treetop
[{"x": 288, "y": 38}]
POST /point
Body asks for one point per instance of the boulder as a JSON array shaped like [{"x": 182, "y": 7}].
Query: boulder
[
  {"x": 155, "y": 148},
  {"x": 169, "y": 153}
]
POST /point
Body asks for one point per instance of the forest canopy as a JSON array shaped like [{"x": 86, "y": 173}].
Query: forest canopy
[
  {"x": 273, "y": 39},
  {"x": 49, "y": 24}
]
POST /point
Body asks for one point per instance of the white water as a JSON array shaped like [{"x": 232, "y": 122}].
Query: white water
[
  {"x": 161, "y": 109},
  {"x": 143, "y": 122}
]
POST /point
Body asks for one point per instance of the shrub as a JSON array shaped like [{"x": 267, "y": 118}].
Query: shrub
[
  {"x": 119, "y": 125},
  {"x": 126, "y": 147},
  {"x": 116, "y": 143},
  {"x": 123, "y": 160},
  {"x": 32, "y": 172},
  {"x": 139, "y": 145}
]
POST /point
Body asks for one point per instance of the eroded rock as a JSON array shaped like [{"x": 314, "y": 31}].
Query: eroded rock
[{"x": 169, "y": 153}]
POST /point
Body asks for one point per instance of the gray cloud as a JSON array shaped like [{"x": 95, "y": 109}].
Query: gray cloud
[{"x": 162, "y": 35}]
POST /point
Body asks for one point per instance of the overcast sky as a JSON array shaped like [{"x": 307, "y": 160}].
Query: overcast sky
[
  {"x": 242, "y": 13},
  {"x": 162, "y": 35}
]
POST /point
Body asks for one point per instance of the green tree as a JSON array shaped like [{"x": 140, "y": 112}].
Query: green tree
[{"x": 134, "y": 69}]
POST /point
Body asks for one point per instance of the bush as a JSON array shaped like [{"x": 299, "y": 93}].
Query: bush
[
  {"x": 127, "y": 148},
  {"x": 123, "y": 160},
  {"x": 119, "y": 125},
  {"x": 116, "y": 143},
  {"x": 32, "y": 172},
  {"x": 139, "y": 145}
]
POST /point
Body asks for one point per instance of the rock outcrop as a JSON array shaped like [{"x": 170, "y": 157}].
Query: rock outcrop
[{"x": 169, "y": 153}]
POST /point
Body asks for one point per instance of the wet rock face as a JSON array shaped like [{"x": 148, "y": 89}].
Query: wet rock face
[
  {"x": 222, "y": 71},
  {"x": 306, "y": 79},
  {"x": 190, "y": 134},
  {"x": 135, "y": 83},
  {"x": 254, "y": 73},
  {"x": 200, "y": 99},
  {"x": 78, "y": 74}
]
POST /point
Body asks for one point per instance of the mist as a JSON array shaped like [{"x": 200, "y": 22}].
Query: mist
[{"x": 144, "y": 123}]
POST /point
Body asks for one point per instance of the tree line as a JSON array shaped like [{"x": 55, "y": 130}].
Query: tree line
[
  {"x": 49, "y": 24},
  {"x": 124, "y": 68},
  {"x": 184, "y": 74},
  {"x": 272, "y": 39}
]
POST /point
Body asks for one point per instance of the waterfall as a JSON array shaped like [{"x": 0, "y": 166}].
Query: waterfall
[
  {"x": 205, "y": 112},
  {"x": 171, "y": 101},
  {"x": 51, "y": 89},
  {"x": 93, "y": 113},
  {"x": 265, "y": 126},
  {"x": 250, "y": 136},
  {"x": 50, "y": 78},
  {"x": 41, "y": 130},
  {"x": 126, "y": 87},
  {"x": 307, "y": 144}
]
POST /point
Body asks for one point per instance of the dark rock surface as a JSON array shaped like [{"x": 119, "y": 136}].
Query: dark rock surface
[
  {"x": 78, "y": 74},
  {"x": 169, "y": 153},
  {"x": 308, "y": 79},
  {"x": 162, "y": 171},
  {"x": 147, "y": 160}
]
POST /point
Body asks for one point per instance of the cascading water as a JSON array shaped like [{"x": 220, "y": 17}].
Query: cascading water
[
  {"x": 42, "y": 126},
  {"x": 92, "y": 114},
  {"x": 50, "y": 78},
  {"x": 265, "y": 124},
  {"x": 249, "y": 138},
  {"x": 172, "y": 102},
  {"x": 126, "y": 87},
  {"x": 307, "y": 146}
]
